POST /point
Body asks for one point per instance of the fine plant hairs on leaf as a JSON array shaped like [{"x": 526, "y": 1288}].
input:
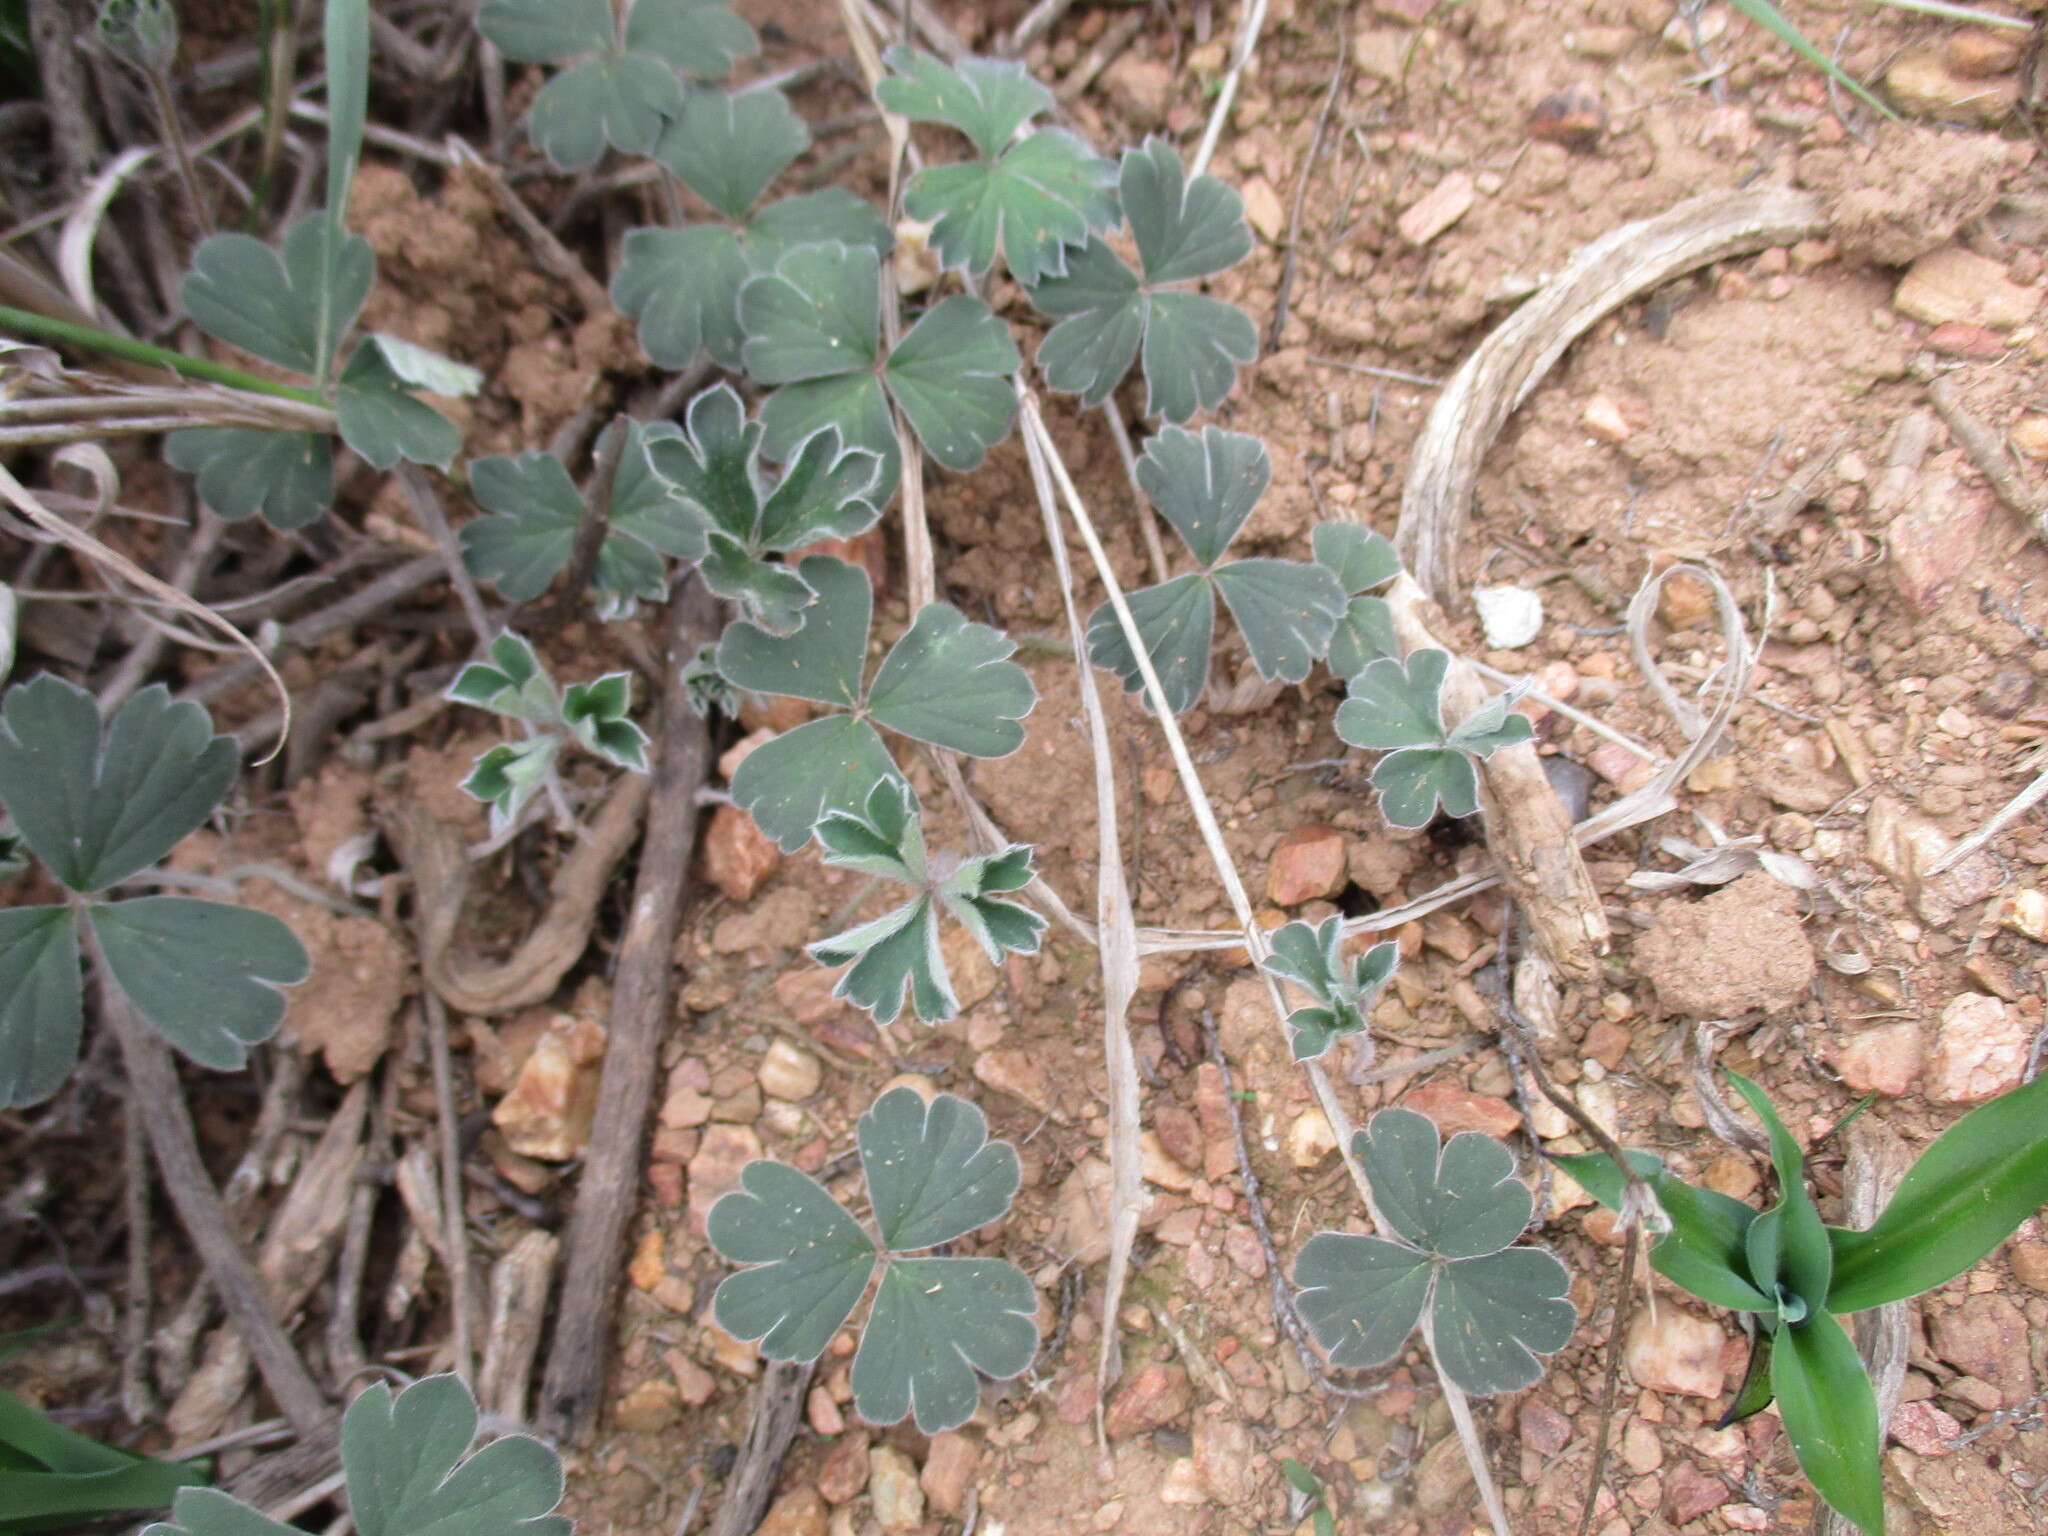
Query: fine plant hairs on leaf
[
  {"x": 714, "y": 469},
  {"x": 513, "y": 682},
  {"x": 409, "y": 1469},
  {"x": 681, "y": 286},
  {"x": 535, "y": 510},
  {"x": 933, "y": 1176},
  {"x": 900, "y": 951},
  {"x": 1361, "y": 561},
  {"x": 98, "y": 807},
  {"x": 1396, "y": 707},
  {"x": 1313, "y": 959},
  {"x": 1205, "y": 485},
  {"x": 1109, "y": 316},
  {"x": 1448, "y": 1263},
  {"x": 948, "y": 682},
  {"x": 1029, "y": 195},
  {"x": 616, "y": 87},
  {"x": 813, "y": 327},
  {"x": 1966, "y": 1194}
]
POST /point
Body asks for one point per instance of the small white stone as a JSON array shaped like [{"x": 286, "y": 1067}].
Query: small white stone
[
  {"x": 788, "y": 1072},
  {"x": 1511, "y": 616}
]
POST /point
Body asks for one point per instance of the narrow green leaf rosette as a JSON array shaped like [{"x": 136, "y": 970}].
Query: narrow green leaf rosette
[
  {"x": 947, "y": 681},
  {"x": 618, "y": 91},
  {"x": 1395, "y": 707},
  {"x": 1454, "y": 1210},
  {"x": 1980, "y": 1179},
  {"x": 1360, "y": 560},
  {"x": 410, "y": 1472},
  {"x": 900, "y": 951},
  {"x": 1030, "y": 197},
  {"x": 1109, "y": 315},
  {"x": 714, "y": 469},
  {"x": 1789, "y": 1256},
  {"x": 204, "y": 975},
  {"x": 1705, "y": 1250},
  {"x": 933, "y": 1176},
  {"x": 814, "y": 333},
  {"x": 535, "y": 509},
  {"x": 1313, "y": 959},
  {"x": 1830, "y": 1416},
  {"x": 97, "y": 808},
  {"x": 1206, "y": 485},
  {"x": 287, "y": 477}
]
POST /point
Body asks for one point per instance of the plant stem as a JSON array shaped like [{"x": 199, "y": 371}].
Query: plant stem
[
  {"x": 65, "y": 333},
  {"x": 174, "y": 135}
]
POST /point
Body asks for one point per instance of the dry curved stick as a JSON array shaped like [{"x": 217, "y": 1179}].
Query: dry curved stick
[
  {"x": 1499, "y": 374},
  {"x": 433, "y": 855}
]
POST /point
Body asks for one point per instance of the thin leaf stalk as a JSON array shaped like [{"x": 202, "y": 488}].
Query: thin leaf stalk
[{"x": 67, "y": 333}]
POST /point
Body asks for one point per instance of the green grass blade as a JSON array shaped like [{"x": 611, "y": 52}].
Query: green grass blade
[
  {"x": 1774, "y": 21},
  {"x": 348, "y": 102}
]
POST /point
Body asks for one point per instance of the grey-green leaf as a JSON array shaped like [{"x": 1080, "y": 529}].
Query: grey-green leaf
[
  {"x": 951, "y": 377},
  {"x": 624, "y": 100},
  {"x": 822, "y": 660},
  {"x": 808, "y": 1261},
  {"x": 1031, "y": 202},
  {"x": 1363, "y": 636},
  {"x": 1184, "y": 229},
  {"x": 1492, "y": 1316},
  {"x": 935, "y": 1323},
  {"x": 535, "y": 510},
  {"x": 209, "y": 1512},
  {"x": 789, "y": 783},
  {"x": 1176, "y": 620},
  {"x": 1206, "y": 484},
  {"x": 701, "y": 39},
  {"x": 408, "y": 1474},
  {"x": 728, "y": 148},
  {"x": 988, "y": 100},
  {"x": 1287, "y": 611},
  {"x": 98, "y": 809},
  {"x": 1193, "y": 347},
  {"x": 949, "y": 681},
  {"x": 1101, "y": 310},
  {"x": 810, "y": 217},
  {"x": 546, "y": 31},
  {"x": 1393, "y": 704},
  {"x": 895, "y": 955},
  {"x": 384, "y": 423},
  {"x": 1361, "y": 1296},
  {"x": 288, "y": 477},
  {"x": 1456, "y": 1202},
  {"x": 39, "y": 1003},
  {"x": 933, "y": 1174},
  {"x": 1359, "y": 558},
  {"x": 681, "y": 288},
  {"x": 817, "y": 315},
  {"x": 271, "y": 304},
  {"x": 204, "y": 975},
  {"x": 1413, "y": 782}
]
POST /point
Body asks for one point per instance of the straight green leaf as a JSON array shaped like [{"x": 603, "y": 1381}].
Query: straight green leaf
[
  {"x": 1774, "y": 21},
  {"x": 1806, "y": 1258},
  {"x": 346, "y": 27},
  {"x": 1704, "y": 1252},
  {"x": 1830, "y": 1416}
]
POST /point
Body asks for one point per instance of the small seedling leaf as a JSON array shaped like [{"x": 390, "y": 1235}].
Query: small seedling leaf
[
  {"x": 1205, "y": 484},
  {"x": 681, "y": 287},
  {"x": 728, "y": 148},
  {"x": 1413, "y": 784},
  {"x": 884, "y": 838},
  {"x": 509, "y": 775},
  {"x": 1394, "y": 704},
  {"x": 624, "y": 100},
  {"x": 701, "y": 39},
  {"x": 209, "y": 1512},
  {"x": 1704, "y": 1252},
  {"x": 204, "y": 975},
  {"x": 1184, "y": 229},
  {"x": 1964, "y": 1196},
  {"x": 546, "y": 31},
  {"x": 935, "y": 1323},
  {"x": 96, "y": 808},
  {"x": 288, "y": 477},
  {"x": 894, "y": 955},
  {"x": 272, "y": 303},
  {"x": 988, "y": 100},
  {"x": 1363, "y": 636},
  {"x": 382, "y": 422},
  {"x": 1287, "y": 611},
  {"x": 39, "y": 1003},
  {"x": 1495, "y": 724},
  {"x": 770, "y": 595},
  {"x": 1313, "y": 959},
  {"x": 950, "y": 375},
  {"x": 512, "y": 683},
  {"x": 1456, "y": 1207},
  {"x": 596, "y": 714},
  {"x": 949, "y": 681},
  {"x": 1359, "y": 558},
  {"x": 807, "y": 1262},
  {"x": 1176, "y": 620},
  {"x": 1830, "y": 1416},
  {"x": 933, "y": 1174},
  {"x": 411, "y": 1472},
  {"x": 418, "y": 368}
]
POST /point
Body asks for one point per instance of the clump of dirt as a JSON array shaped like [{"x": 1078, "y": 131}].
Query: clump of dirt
[
  {"x": 1738, "y": 949},
  {"x": 1910, "y": 190},
  {"x": 346, "y": 1008}
]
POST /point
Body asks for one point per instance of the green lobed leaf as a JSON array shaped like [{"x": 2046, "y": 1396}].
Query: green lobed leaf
[
  {"x": 807, "y": 218},
  {"x": 1176, "y": 620},
  {"x": 1313, "y": 959},
  {"x": 822, "y": 660},
  {"x": 513, "y": 683},
  {"x": 1359, "y": 558},
  {"x": 1101, "y": 309},
  {"x": 1031, "y": 202},
  {"x": 1184, "y": 229},
  {"x": 382, "y": 422},
  {"x": 988, "y": 100},
  {"x": 769, "y": 595},
  {"x": 1287, "y": 611},
  {"x": 1793, "y": 1227},
  {"x": 817, "y": 315},
  {"x": 933, "y": 1174},
  {"x": 700, "y": 39},
  {"x": 98, "y": 807},
  {"x": 411, "y": 1472},
  {"x": 288, "y": 477},
  {"x": 788, "y": 784},
  {"x": 209, "y": 1512},
  {"x": 969, "y": 893},
  {"x": 204, "y": 975},
  {"x": 1361, "y": 1296},
  {"x": 546, "y": 31},
  {"x": 279, "y": 305},
  {"x": 894, "y": 955},
  {"x": 1205, "y": 484},
  {"x": 1395, "y": 703},
  {"x": 680, "y": 288},
  {"x": 1363, "y": 636},
  {"x": 806, "y": 1261},
  {"x": 1193, "y": 348},
  {"x": 1414, "y": 782},
  {"x": 1965, "y": 1194},
  {"x": 1492, "y": 1317},
  {"x": 1830, "y": 1416},
  {"x": 1704, "y": 1252},
  {"x": 949, "y": 681},
  {"x": 728, "y": 148},
  {"x": 623, "y": 100},
  {"x": 855, "y": 405},
  {"x": 597, "y": 716},
  {"x": 951, "y": 375},
  {"x": 1495, "y": 724},
  {"x": 935, "y": 1323},
  {"x": 885, "y": 837},
  {"x": 509, "y": 775},
  {"x": 40, "y": 1003},
  {"x": 1458, "y": 1200}
]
